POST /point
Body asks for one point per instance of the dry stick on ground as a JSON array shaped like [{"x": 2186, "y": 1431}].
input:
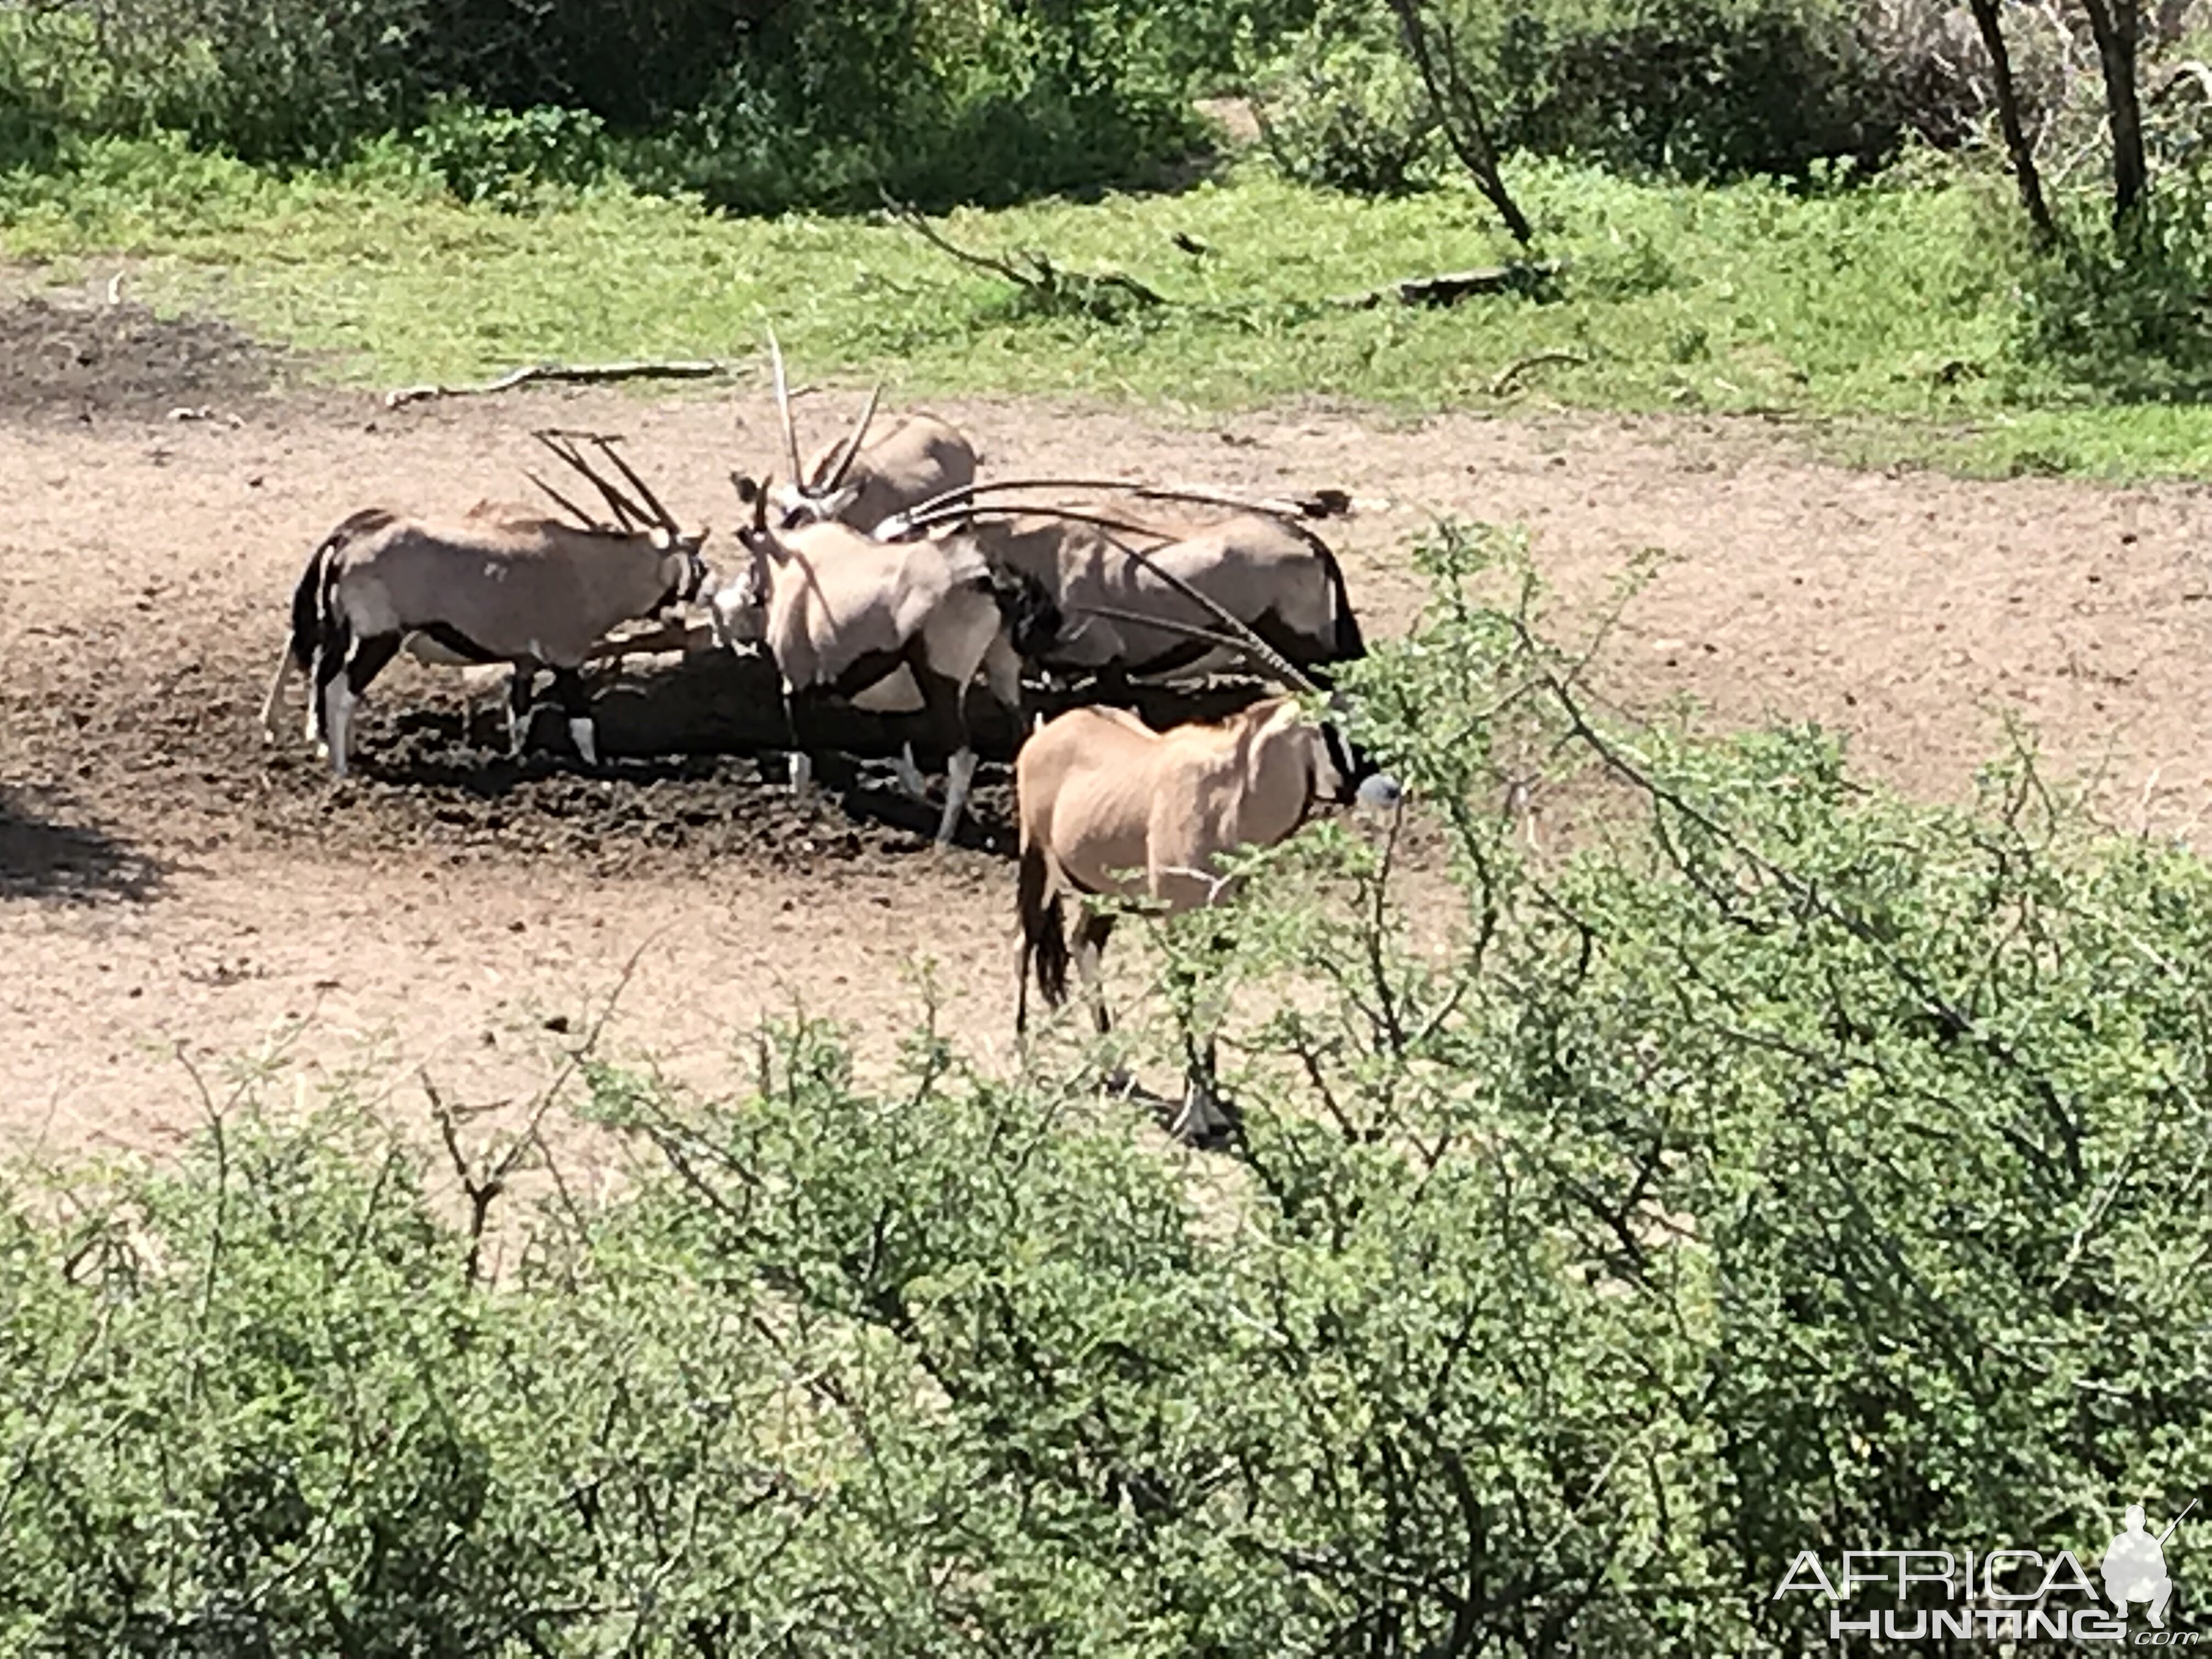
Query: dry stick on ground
[
  {"x": 574, "y": 373},
  {"x": 1049, "y": 282},
  {"x": 1042, "y": 278},
  {"x": 1513, "y": 372},
  {"x": 1448, "y": 287}
]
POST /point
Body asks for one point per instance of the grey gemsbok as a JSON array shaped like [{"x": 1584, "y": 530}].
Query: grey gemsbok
[
  {"x": 1262, "y": 565},
  {"x": 495, "y": 585},
  {"x": 857, "y": 482}
]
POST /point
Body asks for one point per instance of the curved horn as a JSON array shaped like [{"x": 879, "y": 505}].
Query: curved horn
[
  {"x": 851, "y": 452},
  {"x": 783, "y": 410}
]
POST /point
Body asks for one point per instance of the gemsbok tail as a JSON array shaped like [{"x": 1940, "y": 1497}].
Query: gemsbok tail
[
  {"x": 1044, "y": 935},
  {"x": 313, "y": 602}
]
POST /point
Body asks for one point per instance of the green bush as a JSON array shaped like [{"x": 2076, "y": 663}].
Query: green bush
[
  {"x": 1341, "y": 106},
  {"x": 1790, "y": 1168},
  {"x": 1690, "y": 88},
  {"x": 753, "y": 105},
  {"x": 1697, "y": 89},
  {"x": 509, "y": 158}
]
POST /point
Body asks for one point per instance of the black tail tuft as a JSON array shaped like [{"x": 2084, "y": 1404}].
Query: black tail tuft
[
  {"x": 313, "y": 599},
  {"x": 1044, "y": 935},
  {"x": 307, "y": 608}
]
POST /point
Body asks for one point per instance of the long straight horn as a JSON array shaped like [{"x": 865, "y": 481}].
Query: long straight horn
[
  {"x": 1186, "y": 631},
  {"x": 628, "y": 516},
  {"x": 851, "y": 452},
  {"x": 937, "y": 507},
  {"x": 1221, "y": 498},
  {"x": 783, "y": 410},
  {"x": 562, "y": 502},
  {"x": 1251, "y": 644},
  {"x": 653, "y": 501}
]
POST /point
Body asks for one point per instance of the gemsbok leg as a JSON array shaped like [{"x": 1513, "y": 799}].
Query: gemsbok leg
[
  {"x": 520, "y": 692},
  {"x": 342, "y": 681},
  {"x": 576, "y": 703},
  {"x": 945, "y": 717}
]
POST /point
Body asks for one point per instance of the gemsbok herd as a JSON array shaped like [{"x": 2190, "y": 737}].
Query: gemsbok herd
[{"x": 887, "y": 575}]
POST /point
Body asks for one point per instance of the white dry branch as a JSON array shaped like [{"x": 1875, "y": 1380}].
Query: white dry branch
[{"x": 572, "y": 374}]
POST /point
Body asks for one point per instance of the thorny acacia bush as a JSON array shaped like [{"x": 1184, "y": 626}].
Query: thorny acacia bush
[{"x": 1790, "y": 1167}]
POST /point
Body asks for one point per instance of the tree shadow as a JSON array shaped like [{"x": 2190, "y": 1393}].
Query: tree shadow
[{"x": 43, "y": 856}]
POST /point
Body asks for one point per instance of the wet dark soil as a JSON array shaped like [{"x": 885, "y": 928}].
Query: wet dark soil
[{"x": 85, "y": 360}]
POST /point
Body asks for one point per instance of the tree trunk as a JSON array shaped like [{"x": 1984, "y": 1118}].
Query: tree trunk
[
  {"x": 2117, "y": 25},
  {"x": 1459, "y": 112},
  {"x": 2016, "y": 135}
]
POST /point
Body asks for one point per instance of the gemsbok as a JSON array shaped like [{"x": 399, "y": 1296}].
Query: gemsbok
[
  {"x": 893, "y": 627},
  {"x": 858, "y": 482},
  {"x": 1109, "y": 808},
  {"x": 1260, "y": 565},
  {"x": 488, "y": 586}
]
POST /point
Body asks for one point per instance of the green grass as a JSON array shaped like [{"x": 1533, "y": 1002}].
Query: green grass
[{"x": 1894, "y": 308}]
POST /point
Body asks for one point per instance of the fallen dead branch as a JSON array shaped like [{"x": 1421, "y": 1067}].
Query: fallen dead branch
[
  {"x": 1448, "y": 287},
  {"x": 572, "y": 374},
  {"x": 1043, "y": 283},
  {"x": 1505, "y": 380}
]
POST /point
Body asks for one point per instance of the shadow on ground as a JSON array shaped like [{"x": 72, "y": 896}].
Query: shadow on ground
[{"x": 44, "y": 856}]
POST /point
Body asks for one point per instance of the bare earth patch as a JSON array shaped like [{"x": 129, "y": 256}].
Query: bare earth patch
[{"x": 173, "y": 891}]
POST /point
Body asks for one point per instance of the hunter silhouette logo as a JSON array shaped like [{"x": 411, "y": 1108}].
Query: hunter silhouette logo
[
  {"x": 2135, "y": 1566},
  {"x": 2004, "y": 1595}
]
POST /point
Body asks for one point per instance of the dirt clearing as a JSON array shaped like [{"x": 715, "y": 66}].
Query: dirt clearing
[{"x": 172, "y": 890}]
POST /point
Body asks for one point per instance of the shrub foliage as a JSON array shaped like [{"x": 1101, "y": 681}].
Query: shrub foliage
[{"x": 1789, "y": 1168}]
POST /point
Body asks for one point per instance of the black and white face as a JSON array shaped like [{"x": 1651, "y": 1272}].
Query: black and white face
[
  {"x": 790, "y": 506},
  {"x": 1346, "y": 774},
  {"x": 740, "y": 602},
  {"x": 688, "y": 577}
]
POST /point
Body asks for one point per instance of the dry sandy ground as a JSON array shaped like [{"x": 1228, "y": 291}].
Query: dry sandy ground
[{"x": 172, "y": 891}]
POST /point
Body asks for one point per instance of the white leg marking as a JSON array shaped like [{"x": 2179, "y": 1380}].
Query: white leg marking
[
  {"x": 337, "y": 722},
  {"x": 517, "y": 731},
  {"x": 585, "y": 738},
  {"x": 1094, "y": 982},
  {"x": 802, "y": 771},
  {"x": 959, "y": 774},
  {"x": 1201, "y": 1116},
  {"x": 910, "y": 774},
  {"x": 276, "y": 694}
]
